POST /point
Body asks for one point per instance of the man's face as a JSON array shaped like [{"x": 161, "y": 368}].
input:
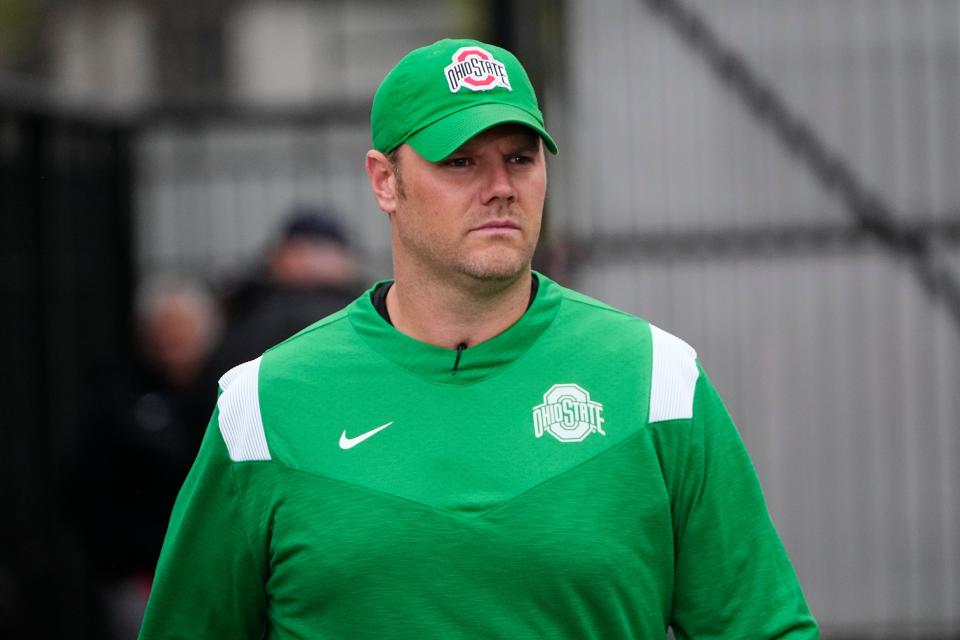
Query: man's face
[{"x": 475, "y": 213}]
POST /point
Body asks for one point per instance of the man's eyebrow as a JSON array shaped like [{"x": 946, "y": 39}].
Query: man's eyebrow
[{"x": 531, "y": 143}]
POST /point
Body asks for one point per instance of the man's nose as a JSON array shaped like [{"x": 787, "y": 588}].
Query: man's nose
[{"x": 498, "y": 183}]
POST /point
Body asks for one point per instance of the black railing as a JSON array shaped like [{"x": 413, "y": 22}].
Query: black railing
[{"x": 65, "y": 282}]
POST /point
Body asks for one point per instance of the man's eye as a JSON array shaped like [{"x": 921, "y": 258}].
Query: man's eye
[
  {"x": 520, "y": 159},
  {"x": 457, "y": 162}
]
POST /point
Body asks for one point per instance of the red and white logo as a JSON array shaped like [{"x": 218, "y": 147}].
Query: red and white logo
[{"x": 475, "y": 69}]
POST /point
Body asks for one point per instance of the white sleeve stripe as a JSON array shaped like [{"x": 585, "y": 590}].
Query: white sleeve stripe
[
  {"x": 240, "y": 423},
  {"x": 673, "y": 377}
]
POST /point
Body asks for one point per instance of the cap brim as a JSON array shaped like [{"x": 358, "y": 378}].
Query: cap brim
[{"x": 438, "y": 140}]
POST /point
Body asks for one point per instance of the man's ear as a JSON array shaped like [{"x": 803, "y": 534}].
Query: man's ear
[{"x": 383, "y": 180}]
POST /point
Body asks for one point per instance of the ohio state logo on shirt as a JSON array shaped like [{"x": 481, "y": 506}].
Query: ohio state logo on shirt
[
  {"x": 568, "y": 414},
  {"x": 476, "y": 69}
]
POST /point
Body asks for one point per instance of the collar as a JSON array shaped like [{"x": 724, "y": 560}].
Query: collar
[
  {"x": 378, "y": 295},
  {"x": 436, "y": 363}
]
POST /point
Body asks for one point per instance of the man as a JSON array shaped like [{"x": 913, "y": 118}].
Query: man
[
  {"x": 471, "y": 451},
  {"x": 309, "y": 273}
]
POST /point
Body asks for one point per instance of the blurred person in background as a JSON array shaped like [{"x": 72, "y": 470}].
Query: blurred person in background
[
  {"x": 134, "y": 445},
  {"x": 309, "y": 273}
]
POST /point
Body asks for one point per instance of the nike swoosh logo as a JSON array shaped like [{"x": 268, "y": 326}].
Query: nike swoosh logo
[{"x": 349, "y": 443}]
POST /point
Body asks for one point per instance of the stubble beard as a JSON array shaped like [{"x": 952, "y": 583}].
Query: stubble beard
[
  {"x": 495, "y": 265},
  {"x": 489, "y": 264}
]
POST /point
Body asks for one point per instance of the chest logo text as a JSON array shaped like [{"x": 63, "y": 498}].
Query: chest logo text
[{"x": 568, "y": 414}]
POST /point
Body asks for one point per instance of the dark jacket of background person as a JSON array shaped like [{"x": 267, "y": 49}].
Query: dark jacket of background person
[
  {"x": 134, "y": 446},
  {"x": 308, "y": 275}
]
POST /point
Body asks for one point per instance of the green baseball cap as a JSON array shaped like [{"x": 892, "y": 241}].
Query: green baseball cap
[{"x": 439, "y": 96}]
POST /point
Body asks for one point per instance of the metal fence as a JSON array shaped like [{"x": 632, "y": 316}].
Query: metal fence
[
  {"x": 212, "y": 192},
  {"x": 66, "y": 286}
]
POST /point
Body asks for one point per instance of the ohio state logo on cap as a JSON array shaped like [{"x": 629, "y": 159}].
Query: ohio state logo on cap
[{"x": 476, "y": 69}]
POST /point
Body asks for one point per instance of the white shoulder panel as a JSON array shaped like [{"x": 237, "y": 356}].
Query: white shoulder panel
[
  {"x": 674, "y": 377},
  {"x": 240, "y": 422}
]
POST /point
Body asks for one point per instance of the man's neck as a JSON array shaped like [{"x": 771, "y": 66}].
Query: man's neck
[{"x": 448, "y": 314}]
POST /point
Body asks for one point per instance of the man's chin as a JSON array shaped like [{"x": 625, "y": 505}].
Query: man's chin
[{"x": 496, "y": 269}]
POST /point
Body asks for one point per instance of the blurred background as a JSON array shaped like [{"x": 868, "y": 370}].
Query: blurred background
[{"x": 776, "y": 182}]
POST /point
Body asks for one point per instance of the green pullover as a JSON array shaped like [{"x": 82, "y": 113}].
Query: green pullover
[{"x": 577, "y": 477}]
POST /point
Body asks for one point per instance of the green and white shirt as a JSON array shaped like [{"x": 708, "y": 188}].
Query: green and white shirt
[{"x": 578, "y": 477}]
